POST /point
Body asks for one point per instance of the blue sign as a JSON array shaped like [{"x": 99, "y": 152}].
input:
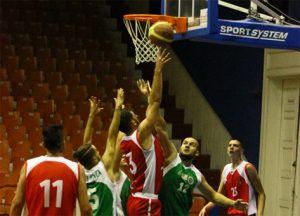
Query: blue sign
[{"x": 247, "y": 32}]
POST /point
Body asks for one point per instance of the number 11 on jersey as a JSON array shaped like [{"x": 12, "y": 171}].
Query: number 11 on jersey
[{"x": 46, "y": 185}]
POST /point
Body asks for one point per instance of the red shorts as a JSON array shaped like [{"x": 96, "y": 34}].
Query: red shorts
[{"x": 142, "y": 206}]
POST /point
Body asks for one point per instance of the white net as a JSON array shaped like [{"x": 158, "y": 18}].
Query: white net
[{"x": 145, "y": 51}]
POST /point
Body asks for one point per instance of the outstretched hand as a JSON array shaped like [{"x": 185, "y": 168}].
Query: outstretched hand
[
  {"x": 144, "y": 87},
  {"x": 120, "y": 98},
  {"x": 95, "y": 107},
  {"x": 240, "y": 205},
  {"x": 162, "y": 58}
]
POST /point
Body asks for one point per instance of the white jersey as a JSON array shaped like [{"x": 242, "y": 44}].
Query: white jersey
[
  {"x": 101, "y": 191},
  {"x": 104, "y": 195},
  {"x": 118, "y": 187}
]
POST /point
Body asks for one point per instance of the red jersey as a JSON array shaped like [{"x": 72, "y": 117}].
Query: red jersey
[
  {"x": 51, "y": 186},
  {"x": 146, "y": 166},
  {"x": 238, "y": 186}
]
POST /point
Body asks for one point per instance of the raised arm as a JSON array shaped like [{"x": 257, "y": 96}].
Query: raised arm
[
  {"x": 169, "y": 149},
  {"x": 113, "y": 131},
  {"x": 117, "y": 156},
  {"x": 144, "y": 88},
  {"x": 256, "y": 183},
  {"x": 94, "y": 110},
  {"x": 19, "y": 198},
  {"x": 218, "y": 198},
  {"x": 147, "y": 125}
]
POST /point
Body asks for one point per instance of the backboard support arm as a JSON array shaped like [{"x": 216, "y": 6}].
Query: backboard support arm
[{"x": 252, "y": 12}]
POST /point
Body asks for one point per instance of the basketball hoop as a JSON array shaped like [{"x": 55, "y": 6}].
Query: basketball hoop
[{"x": 138, "y": 26}]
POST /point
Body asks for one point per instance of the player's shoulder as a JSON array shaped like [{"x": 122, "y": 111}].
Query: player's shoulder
[
  {"x": 248, "y": 165},
  {"x": 36, "y": 160},
  {"x": 173, "y": 164},
  {"x": 227, "y": 167},
  {"x": 62, "y": 160},
  {"x": 196, "y": 170},
  {"x": 129, "y": 138},
  {"x": 250, "y": 168}
]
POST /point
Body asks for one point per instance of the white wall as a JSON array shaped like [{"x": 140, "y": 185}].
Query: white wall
[{"x": 278, "y": 65}]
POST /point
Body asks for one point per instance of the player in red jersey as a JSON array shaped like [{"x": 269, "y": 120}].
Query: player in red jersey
[
  {"x": 142, "y": 149},
  {"x": 240, "y": 181},
  {"x": 50, "y": 184}
]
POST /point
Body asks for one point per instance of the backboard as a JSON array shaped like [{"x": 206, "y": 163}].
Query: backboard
[{"x": 267, "y": 30}]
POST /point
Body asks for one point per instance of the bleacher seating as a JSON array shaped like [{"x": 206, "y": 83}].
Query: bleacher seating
[{"x": 54, "y": 56}]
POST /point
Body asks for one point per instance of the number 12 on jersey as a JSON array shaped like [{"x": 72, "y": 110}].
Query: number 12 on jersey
[{"x": 46, "y": 185}]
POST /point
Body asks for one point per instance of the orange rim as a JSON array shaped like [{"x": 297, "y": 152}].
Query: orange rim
[{"x": 179, "y": 23}]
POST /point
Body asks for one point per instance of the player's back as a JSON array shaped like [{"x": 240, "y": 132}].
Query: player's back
[
  {"x": 51, "y": 186},
  {"x": 100, "y": 190}
]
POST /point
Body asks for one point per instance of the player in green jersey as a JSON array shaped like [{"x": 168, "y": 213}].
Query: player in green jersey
[
  {"x": 104, "y": 183},
  {"x": 181, "y": 177}
]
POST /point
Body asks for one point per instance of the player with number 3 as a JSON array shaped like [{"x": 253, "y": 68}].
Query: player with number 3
[{"x": 142, "y": 150}]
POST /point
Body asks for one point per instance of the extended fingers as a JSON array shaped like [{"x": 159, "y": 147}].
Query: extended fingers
[
  {"x": 148, "y": 86},
  {"x": 164, "y": 55},
  {"x": 140, "y": 82}
]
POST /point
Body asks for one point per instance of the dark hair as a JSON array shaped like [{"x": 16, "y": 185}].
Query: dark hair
[
  {"x": 239, "y": 140},
  {"x": 84, "y": 155},
  {"x": 53, "y": 138},
  {"x": 125, "y": 119}
]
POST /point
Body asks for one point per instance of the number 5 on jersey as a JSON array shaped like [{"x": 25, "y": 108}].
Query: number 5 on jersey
[{"x": 94, "y": 199}]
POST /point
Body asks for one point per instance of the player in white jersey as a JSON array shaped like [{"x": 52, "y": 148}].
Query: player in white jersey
[
  {"x": 239, "y": 180},
  {"x": 104, "y": 183}
]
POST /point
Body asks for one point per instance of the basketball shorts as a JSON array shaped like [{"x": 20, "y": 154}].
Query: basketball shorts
[{"x": 143, "y": 206}]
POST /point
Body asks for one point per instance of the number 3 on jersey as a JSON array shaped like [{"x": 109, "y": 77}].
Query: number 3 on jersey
[{"x": 46, "y": 185}]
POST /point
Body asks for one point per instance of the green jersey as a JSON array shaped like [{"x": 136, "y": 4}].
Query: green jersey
[
  {"x": 100, "y": 191},
  {"x": 178, "y": 184},
  {"x": 106, "y": 197}
]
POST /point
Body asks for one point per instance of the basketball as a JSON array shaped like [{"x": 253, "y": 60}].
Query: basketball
[{"x": 161, "y": 33}]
